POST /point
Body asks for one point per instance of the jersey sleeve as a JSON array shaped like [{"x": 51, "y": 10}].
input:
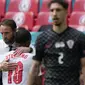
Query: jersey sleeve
[
  {"x": 39, "y": 45},
  {"x": 82, "y": 45}
]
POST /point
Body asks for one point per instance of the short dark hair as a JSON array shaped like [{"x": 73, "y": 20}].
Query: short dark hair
[
  {"x": 22, "y": 36},
  {"x": 9, "y": 22},
  {"x": 61, "y": 2}
]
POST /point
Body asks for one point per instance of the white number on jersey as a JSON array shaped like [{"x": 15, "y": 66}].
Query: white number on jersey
[{"x": 60, "y": 58}]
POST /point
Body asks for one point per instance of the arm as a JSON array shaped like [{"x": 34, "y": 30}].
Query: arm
[
  {"x": 21, "y": 50},
  {"x": 82, "y": 75},
  {"x": 38, "y": 79},
  {"x": 37, "y": 59},
  {"x": 6, "y": 66},
  {"x": 81, "y": 42},
  {"x": 81, "y": 79},
  {"x": 34, "y": 71}
]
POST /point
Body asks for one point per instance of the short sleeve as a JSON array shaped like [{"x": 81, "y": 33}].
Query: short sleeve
[
  {"x": 82, "y": 45},
  {"x": 39, "y": 46}
]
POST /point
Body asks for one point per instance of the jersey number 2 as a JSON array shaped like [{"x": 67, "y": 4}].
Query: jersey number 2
[
  {"x": 60, "y": 58},
  {"x": 17, "y": 76}
]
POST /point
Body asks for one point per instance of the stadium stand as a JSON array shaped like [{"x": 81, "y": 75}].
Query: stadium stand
[
  {"x": 25, "y": 19},
  {"x": 2, "y": 8},
  {"x": 77, "y": 18},
  {"x": 7, "y": 4},
  {"x": 34, "y": 6},
  {"x": 44, "y": 7},
  {"x": 79, "y": 5},
  {"x": 44, "y": 18},
  {"x": 24, "y": 6}
]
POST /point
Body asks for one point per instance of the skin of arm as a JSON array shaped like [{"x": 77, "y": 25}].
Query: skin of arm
[
  {"x": 38, "y": 79},
  {"x": 34, "y": 71},
  {"x": 6, "y": 66},
  {"x": 21, "y": 50},
  {"x": 81, "y": 79},
  {"x": 83, "y": 69}
]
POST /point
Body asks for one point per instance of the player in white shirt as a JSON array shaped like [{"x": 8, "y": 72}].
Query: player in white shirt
[
  {"x": 19, "y": 75},
  {"x": 7, "y": 30}
]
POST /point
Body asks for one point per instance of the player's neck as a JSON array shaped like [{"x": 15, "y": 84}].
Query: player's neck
[{"x": 60, "y": 28}]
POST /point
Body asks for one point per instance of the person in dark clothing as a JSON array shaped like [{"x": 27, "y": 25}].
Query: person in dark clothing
[
  {"x": 0, "y": 78},
  {"x": 62, "y": 50}
]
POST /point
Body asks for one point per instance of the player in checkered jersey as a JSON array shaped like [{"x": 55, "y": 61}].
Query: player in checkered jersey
[
  {"x": 62, "y": 50},
  {"x": 19, "y": 75}
]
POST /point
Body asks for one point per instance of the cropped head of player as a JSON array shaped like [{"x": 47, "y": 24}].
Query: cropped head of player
[
  {"x": 58, "y": 11},
  {"x": 7, "y": 29},
  {"x": 22, "y": 37}
]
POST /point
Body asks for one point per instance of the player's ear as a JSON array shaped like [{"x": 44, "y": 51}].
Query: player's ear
[{"x": 27, "y": 43}]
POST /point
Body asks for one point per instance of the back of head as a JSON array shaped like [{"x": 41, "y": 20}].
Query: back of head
[
  {"x": 9, "y": 22},
  {"x": 63, "y": 3},
  {"x": 22, "y": 36}
]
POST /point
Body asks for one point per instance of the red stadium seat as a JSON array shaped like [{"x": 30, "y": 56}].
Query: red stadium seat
[
  {"x": 44, "y": 7},
  {"x": 24, "y": 6},
  {"x": 69, "y": 7},
  {"x": 77, "y": 18},
  {"x": 2, "y": 7},
  {"x": 44, "y": 18},
  {"x": 74, "y": 26},
  {"x": 22, "y": 19},
  {"x": 79, "y": 5}
]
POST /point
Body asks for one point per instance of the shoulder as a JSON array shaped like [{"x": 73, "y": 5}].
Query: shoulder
[
  {"x": 3, "y": 47},
  {"x": 76, "y": 32},
  {"x": 82, "y": 37},
  {"x": 9, "y": 53},
  {"x": 3, "y": 44},
  {"x": 78, "y": 35},
  {"x": 44, "y": 34},
  {"x": 42, "y": 38},
  {"x": 1, "y": 41}
]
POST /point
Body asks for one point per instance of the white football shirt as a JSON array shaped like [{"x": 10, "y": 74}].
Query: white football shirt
[
  {"x": 20, "y": 75},
  {"x": 3, "y": 47}
]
